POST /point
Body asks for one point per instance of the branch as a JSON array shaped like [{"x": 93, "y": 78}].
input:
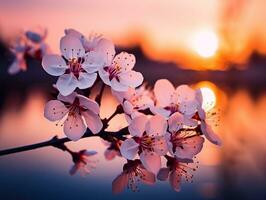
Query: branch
[
  {"x": 98, "y": 98},
  {"x": 56, "y": 142}
]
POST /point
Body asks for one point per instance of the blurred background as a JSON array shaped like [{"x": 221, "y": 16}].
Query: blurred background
[{"x": 219, "y": 45}]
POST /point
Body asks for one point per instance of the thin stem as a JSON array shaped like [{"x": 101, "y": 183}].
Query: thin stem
[
  {"x": 118, "y": 110},
  {"x": 56, "y": 142}
]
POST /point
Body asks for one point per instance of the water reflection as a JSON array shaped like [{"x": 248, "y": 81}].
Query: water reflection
[{"x": 224, "y": 172}]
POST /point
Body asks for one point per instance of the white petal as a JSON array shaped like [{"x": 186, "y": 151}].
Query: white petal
[
  {"x": 125, "y": 60},
  {"x": 151, "y": 161},
  {"x": 163, "y": 174},
  {"x": 156, "y": 125},
  {"x": 210, "y": 134},
  {"x": 55, "y": 110},
  {"x": 161, "y": 111},
  {"x": 132, "y": 79},
  {"x": 54, "y": 65},
  {"x": 93, "y": 61},
  {"x": 104, "y": 76},
  {"x": 86, "y": 80},
  {"x": 118, "y": 86},
  {"x": 129, "y": 149},
  {"x": 89, "y": 104},
  {"x": 128, "y": 107},
  {"x": 175, "y": 179},
  {"x": 190, "y": 147},
  {"x": 119, "y": 184},
  {"x": 163, "y": 91},
  {"x": 137, "y": 126},
  {"x": 66, "y": 84},
  {"x": 71, "y": 47},
  {"x": 74, "y": 127},
  {"x": 93, "y": 121}
]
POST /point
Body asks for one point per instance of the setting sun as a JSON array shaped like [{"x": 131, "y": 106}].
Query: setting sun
[{"x": 205, "y": 43}]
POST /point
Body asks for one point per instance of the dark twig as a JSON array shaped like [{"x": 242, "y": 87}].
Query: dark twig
[
  {"x": 119, "y": 110},
  {"x": 56, "y": 142},
  {"x": 98, "y": 98}
]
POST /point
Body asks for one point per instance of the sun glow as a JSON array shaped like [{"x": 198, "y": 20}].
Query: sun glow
[
  {"x": 205, "y": 43},
  {"x": 209, "y": 98}
]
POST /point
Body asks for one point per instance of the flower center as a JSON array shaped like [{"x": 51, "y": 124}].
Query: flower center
[
  {"x": 75, "y": 66},
  {"x": 113, "y": 71},
  {"x": 147, "y": 142}
]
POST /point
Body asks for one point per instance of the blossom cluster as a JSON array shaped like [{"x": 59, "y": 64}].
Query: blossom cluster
[{"x": 164, "y": 122}]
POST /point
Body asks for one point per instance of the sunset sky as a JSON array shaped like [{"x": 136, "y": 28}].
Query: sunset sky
[{"x": 204, "y": 34}]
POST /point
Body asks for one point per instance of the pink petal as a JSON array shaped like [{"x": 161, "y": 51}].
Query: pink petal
[
  {"x": 74, "y": 127},
  {"x": 160, "y": 145},
  {"x": 110, "y": 154},
  {"x": 186, "y": 98},
  {"x": 55, "y": 110},
  {"x": 175, "y": 179},
  {"x": 54, "y": 65},
  {"x": 151, "y": 161},
  {"x": 190, "y": 147},
  {"x": 163, "y": 91},
  {"x": 89, "y": 104},
  {"x": 129, "y": 149},
  {"x": 128, "y": 107},
  {"x": 119, "y": 184},
  {"x": 210, "y": 134},
  {"x": 137, "y": 126},
  {"x": 156, "y": 125},
  {"x": 125, "y": 60},
  {"x": 14, "y": 67},
  {"x": 68, "y": 99},
  {"x": 90, "y": 153},
  {"x": 86, "y": 80},
  {"x": 147, "y": 177},
  {"x": 131, "y": 78},
  {"x": 163, "y": 174},
  {"x": 66, "y": 84},
  {"x": 93, "y": 121},
  {"x": 71, "y": 47},
  {"x": 107, "y": 49},
  {"x": 161, "y": 111},
  {"x": 178, "y": 121}
]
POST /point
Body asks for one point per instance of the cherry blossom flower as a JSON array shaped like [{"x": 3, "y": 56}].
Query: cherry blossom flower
[
  {"x": 202, "y": 116},
  {"x": 113, "y": 149},
  {"x": 83, "y": 162},
  {"x": 175, "y": 171},
  {"x": 28, "y": 43},
  {"x": 75, "y": 68},
  {"x": 148, "y": 140},
  {"x": 119, "y": 74},
  {"x": 133, "y": 173},
  {"x": 183, "y": 142},
  {"x": 81, "y": 113},
  {"x": 134, "y": 100},
  {"x": 170, "y": 100}
]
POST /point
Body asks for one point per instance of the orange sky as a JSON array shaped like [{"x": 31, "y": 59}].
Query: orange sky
[{"x": 164, "y": 28}]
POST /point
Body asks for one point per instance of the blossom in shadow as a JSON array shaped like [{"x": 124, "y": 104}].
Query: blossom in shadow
[
  {"x": 113, "y": 149},
  {"x": 81, "y": 113},
  {"x": 133, "y": 173},
  {"x": 30, "y": 43},
  {"x": 183, "y": 142},
  {"x": 176, "y": 170},
  {"x": 148, "y": 140},
  {"x": 170, "y": 100},
  {"x": 133, "y": 101},
  {"x": 83, "y": 162}
]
